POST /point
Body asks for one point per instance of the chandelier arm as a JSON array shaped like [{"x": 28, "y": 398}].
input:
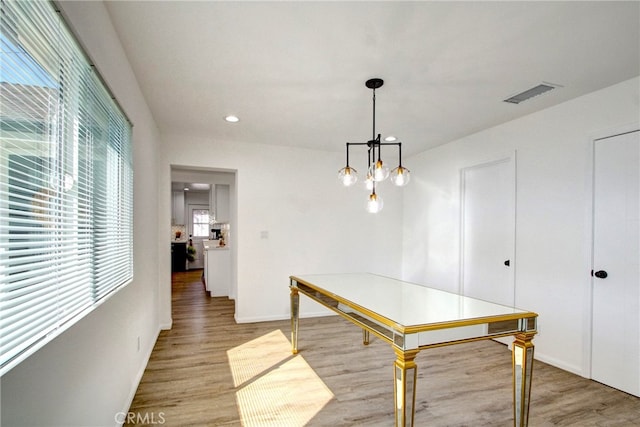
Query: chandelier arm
[
  {"x": 399, "y": 155},
  {"x": 353, "y": 143},
  {"x": 348, "y": 154}
]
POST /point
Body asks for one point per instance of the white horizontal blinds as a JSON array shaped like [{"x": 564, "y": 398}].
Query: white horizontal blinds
[
  {"x": 28, "y": 293},
  {"x": 73, "y": 252},
  {"x": 200, "y": 222},
  {"x": 65, "y": 182},
  {"x": 112, "y": 198}
]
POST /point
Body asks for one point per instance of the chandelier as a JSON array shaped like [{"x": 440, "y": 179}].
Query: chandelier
[{"x": 377, "y": 170}]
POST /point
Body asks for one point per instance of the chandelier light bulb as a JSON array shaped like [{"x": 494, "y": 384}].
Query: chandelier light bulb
[
  {"x": 375, "y": 203},
  {"x": 368, "y": 183},
  {"x": 400, "y": 176},
  {"x": 348, "y": 176},
  {"x": 379, "y": 171}
]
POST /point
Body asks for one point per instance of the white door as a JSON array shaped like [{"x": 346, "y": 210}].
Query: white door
[
  {"x": 488, "y": 231},
  {"x": 615, "y": 352}
]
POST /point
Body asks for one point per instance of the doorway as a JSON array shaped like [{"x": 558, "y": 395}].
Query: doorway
[
  {"x": 218, "y": 188},
  {"x": 615, "y": 341}
]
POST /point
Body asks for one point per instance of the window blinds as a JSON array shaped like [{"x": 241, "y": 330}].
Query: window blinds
[{"x": 66, "y": 182}]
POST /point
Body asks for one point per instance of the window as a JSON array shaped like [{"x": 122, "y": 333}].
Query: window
[
  {"x": 66, "y": 183},
  {"x": 200, "y": 222}
]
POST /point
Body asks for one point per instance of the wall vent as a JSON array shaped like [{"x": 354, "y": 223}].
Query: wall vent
[{"x": 530, "y": 93}]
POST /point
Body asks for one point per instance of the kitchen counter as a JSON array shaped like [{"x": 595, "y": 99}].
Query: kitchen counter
[
  {"x": 217, "y": 268},
  {"x": 213, "y": 244}
]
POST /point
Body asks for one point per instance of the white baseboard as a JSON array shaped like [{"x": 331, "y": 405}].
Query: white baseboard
[
  {"x": 259, "y": 318},
  {"x": 281, "y": 317},
  {"x": 166, "y": 326},
  {"x": 559, "y": 364}
]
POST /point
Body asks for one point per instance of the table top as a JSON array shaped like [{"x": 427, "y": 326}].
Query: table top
[{"x": 405, "y": 306}]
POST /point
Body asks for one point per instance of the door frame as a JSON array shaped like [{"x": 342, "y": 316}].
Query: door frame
[{"x": 590, "y": 223}]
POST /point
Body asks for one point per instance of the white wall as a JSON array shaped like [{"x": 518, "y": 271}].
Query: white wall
[
  {"x": 553, "y": 220},
  {"x": 90, "y": 372},
  {"x": 314, "y": 225}
]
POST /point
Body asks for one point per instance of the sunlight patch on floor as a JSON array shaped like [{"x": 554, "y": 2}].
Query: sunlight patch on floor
[{"x": 273, "y": 386}]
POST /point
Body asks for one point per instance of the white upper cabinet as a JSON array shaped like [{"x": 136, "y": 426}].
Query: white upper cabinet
[
  {"x": 222, "y": 203},
  {"x": 177, "y": 208}
]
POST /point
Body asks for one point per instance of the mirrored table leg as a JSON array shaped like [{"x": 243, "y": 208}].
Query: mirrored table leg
[
  {"x": 295, "y": 313},
  {"x": 405, "y": 376},
  {"x": 522, "y": 371}
]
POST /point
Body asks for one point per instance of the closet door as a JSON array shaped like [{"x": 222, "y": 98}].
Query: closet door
[
  {"x": 615, "y": 352},
  {"x": 488, "y": 231}
]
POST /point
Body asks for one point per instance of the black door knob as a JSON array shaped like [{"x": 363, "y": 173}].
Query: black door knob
[
  {"x": 601, "y": 274},
  {"x": 507, "y": 263}
]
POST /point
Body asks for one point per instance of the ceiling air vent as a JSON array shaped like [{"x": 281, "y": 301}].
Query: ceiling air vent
[{"x": 530, "y": 93}]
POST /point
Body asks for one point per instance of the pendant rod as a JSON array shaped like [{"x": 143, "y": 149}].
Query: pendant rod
[{"x": 373, "y": 133}]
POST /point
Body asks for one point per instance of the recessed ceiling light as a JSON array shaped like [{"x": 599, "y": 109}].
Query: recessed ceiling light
[
  {"x": 200, "y": 186},
  {"x": 232, "y": 119},
  {"x": 390, "y": 138}
]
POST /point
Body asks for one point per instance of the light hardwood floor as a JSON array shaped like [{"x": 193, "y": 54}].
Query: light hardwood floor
[{"x": 210, "y": 371}]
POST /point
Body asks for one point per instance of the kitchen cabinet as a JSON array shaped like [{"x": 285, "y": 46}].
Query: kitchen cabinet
[
  {"x": 222, "y": 196},
  {"x": 217, "y": 269},
  {"x": 177, "y": 208},
  {"x": 178, "y": 256}
]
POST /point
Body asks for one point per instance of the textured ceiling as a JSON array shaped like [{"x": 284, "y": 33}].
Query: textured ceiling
[{"x": 294, "y": 72}]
